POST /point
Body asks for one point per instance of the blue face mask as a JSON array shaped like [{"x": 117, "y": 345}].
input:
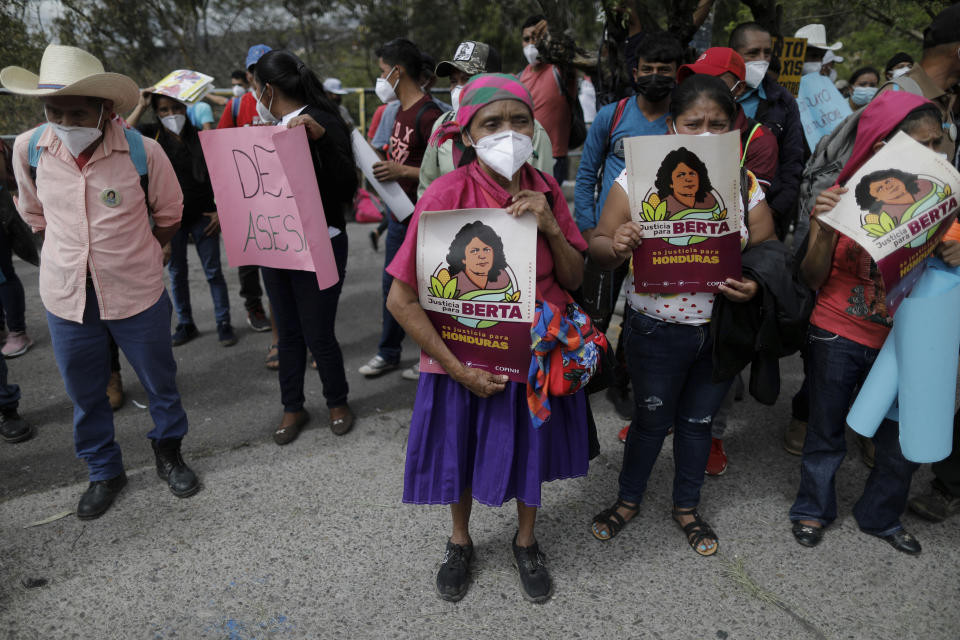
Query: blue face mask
[{"x": 862, "y": 95}]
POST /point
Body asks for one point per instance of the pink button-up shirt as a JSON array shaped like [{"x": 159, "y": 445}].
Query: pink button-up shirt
[{"x": 82, "y": 233}]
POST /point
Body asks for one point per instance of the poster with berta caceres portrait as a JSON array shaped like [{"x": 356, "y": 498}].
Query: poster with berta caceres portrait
[
  {"x": 898, "y": 206},
  {"x": 476, "y": 280},
  {"x": 685, "y": 193}
]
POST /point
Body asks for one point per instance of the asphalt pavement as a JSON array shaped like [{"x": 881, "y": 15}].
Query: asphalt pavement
[{"x": 311, "y": 540}]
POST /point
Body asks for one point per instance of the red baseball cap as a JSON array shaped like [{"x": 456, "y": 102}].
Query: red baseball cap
[{"x": 715, "y": 61}]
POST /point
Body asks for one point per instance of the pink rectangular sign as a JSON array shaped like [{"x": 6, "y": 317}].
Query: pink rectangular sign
[{"x": 268, "y": 201}]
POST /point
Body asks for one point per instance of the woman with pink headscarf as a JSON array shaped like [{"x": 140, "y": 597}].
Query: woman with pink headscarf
[
  {"x": 471, "y": 435},
  {"x": 847, "y": 328}
]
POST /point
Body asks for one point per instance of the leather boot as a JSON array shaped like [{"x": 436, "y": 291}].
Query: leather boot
[
  {"x": 99, "y": 496},
  {"x": 171, "y": 467}
]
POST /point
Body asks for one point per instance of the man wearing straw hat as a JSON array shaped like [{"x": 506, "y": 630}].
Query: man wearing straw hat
[{"x": 91, "y": 187}]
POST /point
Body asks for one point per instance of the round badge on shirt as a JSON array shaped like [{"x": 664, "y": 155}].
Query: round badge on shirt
[{"x": 111, "y": 197}]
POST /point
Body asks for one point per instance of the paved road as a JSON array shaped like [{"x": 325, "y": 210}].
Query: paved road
[{"x": 312, "y": 541}]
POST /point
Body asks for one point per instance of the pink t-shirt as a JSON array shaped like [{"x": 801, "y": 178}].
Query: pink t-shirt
[
  {"x": 550, "y": 108},
  {"x": 467, "y": 188}
]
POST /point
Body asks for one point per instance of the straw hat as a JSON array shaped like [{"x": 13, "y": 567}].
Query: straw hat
[
  {"x": 816, "y": 35},
  {"x": 68, "y": 71}
]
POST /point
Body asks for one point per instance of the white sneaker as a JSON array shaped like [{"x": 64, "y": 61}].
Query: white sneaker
[
  {"x": 412, "y": 373},
  {"x": 377, "y": 366}
]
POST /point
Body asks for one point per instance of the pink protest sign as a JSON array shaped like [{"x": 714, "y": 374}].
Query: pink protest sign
[
  {"x": 268, "y": 200},
  {"x": 685, "y": 193},
  {"x": 476, "y": 279}
]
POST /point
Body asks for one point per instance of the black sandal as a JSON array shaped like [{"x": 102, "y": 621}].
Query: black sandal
[
  {"x": 697, "y": 531},
  {"x": 613, "y": 520}
]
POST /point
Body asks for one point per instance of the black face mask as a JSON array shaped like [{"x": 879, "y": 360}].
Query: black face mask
[{"x": 654, "y": 87}]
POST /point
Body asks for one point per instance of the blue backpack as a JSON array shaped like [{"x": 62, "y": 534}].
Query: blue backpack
[{"x": 138, "y": 156}]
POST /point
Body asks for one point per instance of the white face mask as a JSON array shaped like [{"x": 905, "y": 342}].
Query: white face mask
[
  {"x": 386, "y": 91},
  {"x": 455, "y": 97},
  {"x": 530, "y": 53},
  {"x": 902, "y": 71},
  {"x": 504, "y": 152},
  {"x": 174, "y": 123},
  {"x": 705, "y": 133},
  {"x": 76, "y": 139},
  {"x": 238, "y": 90},
  {"x": 756, "y": 70},
  {"x": 264, "y": 112},
  {"x": 811, "y": 67}
]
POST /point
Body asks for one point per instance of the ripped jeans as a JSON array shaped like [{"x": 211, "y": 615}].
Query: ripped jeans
[{"x": 671, "y": 367}]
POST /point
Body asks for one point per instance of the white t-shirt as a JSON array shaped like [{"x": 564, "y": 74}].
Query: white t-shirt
[{"x": 685, "y": 308}]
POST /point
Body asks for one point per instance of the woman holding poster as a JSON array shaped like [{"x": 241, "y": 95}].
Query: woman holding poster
[
  {"x": 289, "y": 94},
  {"x": 179, "y": 139},
  {"x": 850, "y": 323},
  {"x": 667, "y": 338},
  {"x": 471, "y": 435}
]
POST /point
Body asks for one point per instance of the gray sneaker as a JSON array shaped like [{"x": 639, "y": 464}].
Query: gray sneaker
[
  {"x": 411, "y": 373},
  {"x": 935, "y": 505},
  {"x": 377, "y": 366}
]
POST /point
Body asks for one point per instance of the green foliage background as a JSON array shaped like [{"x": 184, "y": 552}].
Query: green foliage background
[{"x": 148, "y": 38}]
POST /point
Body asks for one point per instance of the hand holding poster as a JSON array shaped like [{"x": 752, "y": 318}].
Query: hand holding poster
[
  {"x": 822, "y": 107},
  {"x": 476, "y": 279},
  {"x": 685, "y": 193},
  {"x": 268, "y": 201},
  {"x": 390, "y": 192},
  {"x": 898, "y": 215}
]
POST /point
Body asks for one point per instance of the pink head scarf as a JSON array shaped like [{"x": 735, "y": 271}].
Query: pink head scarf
[
  {"x": 878, "y": 120},
  {"x": 480, "y": 91}
]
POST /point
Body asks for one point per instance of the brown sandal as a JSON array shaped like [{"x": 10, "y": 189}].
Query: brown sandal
[
  {"x": 272, "y": 361},
  {"x": 286, "y": 435}
]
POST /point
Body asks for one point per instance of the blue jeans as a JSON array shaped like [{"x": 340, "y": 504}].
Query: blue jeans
[
  {"x": 560, "y": 168},
  {"x": 9, "y": 393},
  {"x": 391, "y": 337},
  {"x": 82, "y": 351},
  {"x": 671, "y": 369},
  {"x": 208, "y": 248},
  {"x": 12, "y": 301},
  {"x": 306, "y": 318},
  {"x": 837, "y": 366}
]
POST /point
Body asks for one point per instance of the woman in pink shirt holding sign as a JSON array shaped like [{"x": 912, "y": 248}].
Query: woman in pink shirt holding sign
[
  {"x": 848, "y": 327},
  {"x": 471, "y": 436},
  {"x": 668, "y": 339}
]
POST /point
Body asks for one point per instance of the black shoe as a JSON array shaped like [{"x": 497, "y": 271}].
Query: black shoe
[
  {"x": 226, "y": 335},
  {"x": 903, "y": 542},
  {"x": 622, "y": 402},
  {"x": 453, "y": 578},
  {"x": 806, "y": 535},
  {"x": 535, "y": 582},
  {"x": 171, "y": 467},
  {"x": 184, "y": 333},
  {"x": 12, "y": 426},
  {"x": 99, "y": 496},
  {"x": 375, "y": 240},
  {"x": 257, "y": 319}
]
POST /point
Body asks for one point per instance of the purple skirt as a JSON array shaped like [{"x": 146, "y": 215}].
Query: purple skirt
[{"x": 458, "y": 441}]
